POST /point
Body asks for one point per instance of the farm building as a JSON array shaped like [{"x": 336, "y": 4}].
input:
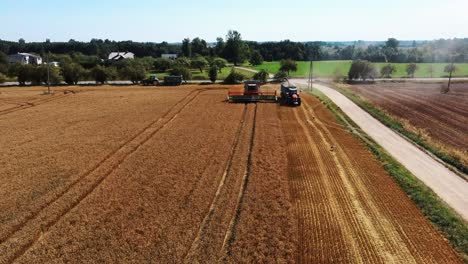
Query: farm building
[
  {"x": 169, "y": 56},
  {"x": 121, "y": 56},
  {"x": 25, "y": 58}
]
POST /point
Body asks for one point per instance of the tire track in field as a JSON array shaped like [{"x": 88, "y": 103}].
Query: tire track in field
[
  {"x": 384, "y": 235},
  {"x": 230, "y": 234},
  {"x": 198, "y": 243},
  {"x": 326, "y": 173},
  {"x": 19, "y": 239},
  {"x": 34, "y": 103}
]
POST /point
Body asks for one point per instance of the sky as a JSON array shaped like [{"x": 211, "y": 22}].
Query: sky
[{"x": 258, "y": 20}]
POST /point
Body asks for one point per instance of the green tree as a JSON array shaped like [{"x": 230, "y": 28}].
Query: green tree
[
  {"x": 102, "y": 74},
  {"x": 288, "y": 66},
  {"x": 182, "y": 62},
  {"x": 411, "y": 69},
  {"x": 199, "y": 62},
  {"x": 450, "y": 68},
  {"x": 236, "y": 50},
  {"x": 279, "y": 76},
  {"x": 199, "y": 47},
  {"x": 72, "y": 73},
  {"x": 3, "y": 78},
  {"x": 186, "y": 48},
  {"x": 256, "y": 58},
  {"x": 220, "y": 45},
  {"x": 234, "y": 77},
  {"x": 185, "y": 72},
  {"x": 430, "y": 70},
  {"x": 162, "y": 64},
  {"x": 133, "y": 71},
  {"x": 261, "y": 76},
  {"x": 387, "y": 71},
  {"x": 361, "y": 69},
  {"x": 213, "y": 73},
  {"x": 220, "y": 63}
]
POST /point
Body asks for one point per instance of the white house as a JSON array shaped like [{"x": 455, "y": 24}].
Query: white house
[
  {"x": 25, "y": 58},
  {"x": 169, "y": 56},
  {"x": 121, "y": 55}
]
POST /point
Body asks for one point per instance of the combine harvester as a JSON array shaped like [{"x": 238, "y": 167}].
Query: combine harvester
[{"x": 252, "y": 93}]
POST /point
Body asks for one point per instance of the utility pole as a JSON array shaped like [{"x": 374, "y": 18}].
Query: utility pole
[
  {"x": 48, "y": 73},
  {"x": 311, "y": 74}
]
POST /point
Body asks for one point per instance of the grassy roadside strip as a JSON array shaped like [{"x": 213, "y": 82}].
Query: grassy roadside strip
[
  {"x": 400, "y": 128},
  {"x": 451, "y": 225}
]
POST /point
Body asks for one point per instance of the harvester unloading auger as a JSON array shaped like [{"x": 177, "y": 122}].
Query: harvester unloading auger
[{"x": 252, "y": 93}]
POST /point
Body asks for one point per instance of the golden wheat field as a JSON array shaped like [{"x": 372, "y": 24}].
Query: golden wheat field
[{"x": 177, "y": 174}]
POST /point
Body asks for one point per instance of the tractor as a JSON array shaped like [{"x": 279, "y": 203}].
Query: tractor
[
  {"x": 252, "y": 92},
  {"x": 289, "y": 94},
  {"x": 151, "y": 80}
]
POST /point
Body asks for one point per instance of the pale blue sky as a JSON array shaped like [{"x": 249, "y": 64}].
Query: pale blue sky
[{"x": 260, "y": 20}]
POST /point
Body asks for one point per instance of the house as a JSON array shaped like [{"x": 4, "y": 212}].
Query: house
[
  {"x": 169, "y": 56},
  {"x": 25, "y": 58},
  {"x": 116, "y": 56}
]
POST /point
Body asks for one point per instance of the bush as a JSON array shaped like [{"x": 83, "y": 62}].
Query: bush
[
  {"x": 213, "y": 73},
  {"x": 261, "y": 76},
  {"x": 256, "y": 58},
  {"x": 234, "y": 77}
]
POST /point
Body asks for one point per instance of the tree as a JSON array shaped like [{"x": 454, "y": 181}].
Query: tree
[
  {"x": 220, "y": 63},
  {"x": 199, "y": 47},
  {"x": 133, "y": 71},
  {"x": 288, "y": 66},
  {"x": 430, "y": 70},
  {"x": 219, "y": 48},
  {"x": 392, "y": 43},
  {"x": 199, "y": 62},
  {"x": 162, "y": 64},
  {"x": 234, "y": 77},
  {"x": 3, "y": 78},
  {"x": 182, "y": 62},
  {"x": 387, "y": 71},
  {"x": 256, "y": 58},
  {"x": 72, "y": 73},
  {"x": 213, "y": 73},
  {"x": 101, "y": 74},
  {"x": 361, "y": 69},
  {"x": 236, "y": 50},
  {"x": 391, "y": 49},
  {"x": 183, "y": 71},
  {"x": 279, "y": 76},
  {"x": 186, "y": 48},
  {"x": 261, "y": 76},
  {"x": 411, "y": 69},
  {"x": 450, "y": 69}
]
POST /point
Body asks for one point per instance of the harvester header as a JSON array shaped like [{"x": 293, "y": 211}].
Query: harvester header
[{"x": 252, "y": 93}]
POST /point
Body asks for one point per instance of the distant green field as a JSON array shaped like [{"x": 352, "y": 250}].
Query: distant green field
[
  {"x": 328, "y": 68},
  {"x": 196, "y": 75}
]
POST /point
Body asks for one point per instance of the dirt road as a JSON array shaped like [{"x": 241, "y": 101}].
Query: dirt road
[{"x": 446, "y": 184}]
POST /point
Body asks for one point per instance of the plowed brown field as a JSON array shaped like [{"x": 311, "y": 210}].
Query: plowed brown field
[
  {"x": 443, "y": 117},
  {"x": 171, "y": 175}
]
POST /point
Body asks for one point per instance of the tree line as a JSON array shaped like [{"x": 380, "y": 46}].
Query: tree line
[{"x": 234, "y": 49}]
